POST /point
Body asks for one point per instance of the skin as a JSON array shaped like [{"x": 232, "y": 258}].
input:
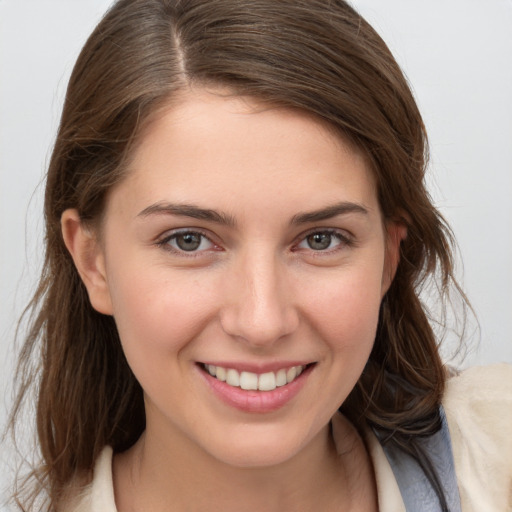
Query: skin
[{"x": 254, "y": 292}]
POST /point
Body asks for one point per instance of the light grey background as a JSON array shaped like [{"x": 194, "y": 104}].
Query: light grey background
[{"x": 457, "y": 55}]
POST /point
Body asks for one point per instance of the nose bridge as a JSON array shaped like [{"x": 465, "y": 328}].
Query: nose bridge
[{"x": 260, "y": 309}]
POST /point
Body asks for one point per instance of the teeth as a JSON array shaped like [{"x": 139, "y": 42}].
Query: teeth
[
  {"x": 232, "y": 378},
  {"x": 291, "y": 374},
  {"x": 281, "y": 378},
  {"x": 248, "y": 380},
  {"x": 252, "y": 381},
  {"x": 221, "y": 373},
  {"x": 267, "y": 381}
]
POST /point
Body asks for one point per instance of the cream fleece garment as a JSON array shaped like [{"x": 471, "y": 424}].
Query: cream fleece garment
[{"x": 478, "y": 408}]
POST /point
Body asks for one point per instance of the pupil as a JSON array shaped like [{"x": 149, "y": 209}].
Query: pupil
[
  {"x": 319, "y": 241},
  {"x": 188, "y": 241}
]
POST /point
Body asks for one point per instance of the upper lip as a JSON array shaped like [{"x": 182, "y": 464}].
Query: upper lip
[{"x": 244, "y": 366}]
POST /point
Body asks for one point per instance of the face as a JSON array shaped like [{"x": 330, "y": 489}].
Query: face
[{"x": 246, "y": 242}]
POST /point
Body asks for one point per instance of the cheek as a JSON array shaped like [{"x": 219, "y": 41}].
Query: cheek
[
  {"x": 157, "y": 316},
  {"x": 158, "y": 320},
  {"x": 345, "y": 310}
]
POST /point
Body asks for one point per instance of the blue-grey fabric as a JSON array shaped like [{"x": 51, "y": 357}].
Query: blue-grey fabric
[{"x": 417, "y": 492}]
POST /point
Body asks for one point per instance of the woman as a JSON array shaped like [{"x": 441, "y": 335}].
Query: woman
[{"x": 237, "y": 233}]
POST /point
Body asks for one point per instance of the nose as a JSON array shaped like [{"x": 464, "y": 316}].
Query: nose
[{"x": 259, "y": 307}]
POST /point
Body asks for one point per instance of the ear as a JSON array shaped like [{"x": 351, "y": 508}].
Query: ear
[
  {"x": 396, "y": 231},
  {"x": 88, "y": 256}
]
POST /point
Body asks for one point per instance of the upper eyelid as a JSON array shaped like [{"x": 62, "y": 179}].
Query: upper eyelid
[
  {"x": 346, "y": 240},
  {"x": 163, "y": 242},
  {"x": 198, "y": 256},
  {"x": 167, "y": 235},
  {"x": 336, "y": 231}
]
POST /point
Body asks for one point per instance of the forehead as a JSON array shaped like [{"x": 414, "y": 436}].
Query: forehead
[{"x": 216, "y": 147}]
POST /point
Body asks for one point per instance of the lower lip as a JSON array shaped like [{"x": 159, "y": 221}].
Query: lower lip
[{"x": 256, "y": 401}]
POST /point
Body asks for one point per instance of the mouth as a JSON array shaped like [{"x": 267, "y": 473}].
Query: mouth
[
  {"x": 250, "y": 381},
  {"x": 265, "y": 390}
]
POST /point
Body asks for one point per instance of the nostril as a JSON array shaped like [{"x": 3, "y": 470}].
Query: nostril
[{"x": 258, "y": 329}]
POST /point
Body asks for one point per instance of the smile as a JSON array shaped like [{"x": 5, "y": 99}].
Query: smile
[{"x": 250, "y": 381}]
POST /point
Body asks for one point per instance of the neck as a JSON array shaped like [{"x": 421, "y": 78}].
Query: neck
[{"x": 160, "y": 473}]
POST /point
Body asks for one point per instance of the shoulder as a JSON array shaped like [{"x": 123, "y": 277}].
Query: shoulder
[
  {"x": 98, "y": 494},
  {"x": 483, "y": 382},
  {"x": 478, "y": 408},
  {"x": 480, "y": 398}
]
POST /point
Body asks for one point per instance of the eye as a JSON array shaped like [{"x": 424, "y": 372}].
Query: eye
[
  {"x": 323, "y": 241},
  {"x": 187, "y": 241}
]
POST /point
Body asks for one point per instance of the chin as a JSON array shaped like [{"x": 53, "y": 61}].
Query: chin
[
  {"x": 256, "y": 456},
  {"x": 258, "y": 449}
]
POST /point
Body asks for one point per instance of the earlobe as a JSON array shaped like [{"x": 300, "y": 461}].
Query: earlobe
[
  {"x": 396, "y": 232},
  {"x": 89, "y": 259}
]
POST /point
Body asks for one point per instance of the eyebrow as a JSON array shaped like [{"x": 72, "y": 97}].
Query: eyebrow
[
  {"x": 329, "y": 212},
  {"x": 195, "y": 212},
  {"x": 188, "y": 210}
]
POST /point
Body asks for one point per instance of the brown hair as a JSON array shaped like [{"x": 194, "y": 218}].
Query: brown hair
[{"x": 315, "y": 55}]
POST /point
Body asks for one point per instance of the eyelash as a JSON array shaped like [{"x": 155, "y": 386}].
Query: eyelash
[
  {"x": 343, "y": 239},
  {"x": 164, "y": 242}
]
